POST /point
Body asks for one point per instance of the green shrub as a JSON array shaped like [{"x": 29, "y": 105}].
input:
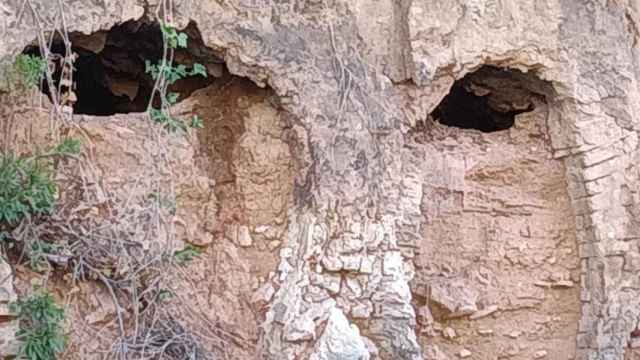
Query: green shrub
[
  {"x": 26, "y": 184},
  {"x": 30, "y": 68},
  {"x": 26, "y": 188},
  {"x": 40, "y": 326}
]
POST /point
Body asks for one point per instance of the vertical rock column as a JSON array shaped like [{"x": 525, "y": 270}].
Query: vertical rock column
[{"x": 597, "y": 134}]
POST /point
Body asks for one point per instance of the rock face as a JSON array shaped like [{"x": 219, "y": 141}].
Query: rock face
[{"x": 344, "y": 223}]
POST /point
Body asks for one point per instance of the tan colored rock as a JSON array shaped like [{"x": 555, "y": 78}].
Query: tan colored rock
[
  {"x": 540, "y": 354},
  {"x": 449, "y": 333},
  {"x": 464, "y": 353},
  {"x": 345, "y": 139}
]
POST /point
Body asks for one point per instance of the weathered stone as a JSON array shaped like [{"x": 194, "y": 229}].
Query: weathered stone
[
  {"x": 424, "y": 316},
  {"x": 448, "y": 333},
  {"x": 540, "y": 354},
  {"x": 332, "y": 263},
  {"x": 455, "y": 296},
  {"x": 244, "y": 237},
  {"x": 354, "y": 152},
  {"x": 362, "y": 310},
  {"x": 484, "y": 312},
  {"x": 330, "y": 282},
  {"x": 371, "y": 347},
  {"x": 340, "y": 340},
  {"x": 464, "y": 353},
  {"x": 392, "y": 264},
  {"x": 432, "y": 352}
]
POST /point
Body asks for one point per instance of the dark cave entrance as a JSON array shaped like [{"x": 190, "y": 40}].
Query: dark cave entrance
[
  {"x": 489, "y": 99},
  {"x": 109, "y": 73}
]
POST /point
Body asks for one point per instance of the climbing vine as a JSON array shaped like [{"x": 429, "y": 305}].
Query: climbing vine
[{"x": 166, "y": 73}]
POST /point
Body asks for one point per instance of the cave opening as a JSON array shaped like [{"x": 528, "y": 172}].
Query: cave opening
[
  {"x": 489, "y": 99},
  {"x": 109, "y": 71}
]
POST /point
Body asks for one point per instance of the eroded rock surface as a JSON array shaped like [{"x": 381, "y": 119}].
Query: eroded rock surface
[{"x": 372, "y": 217}]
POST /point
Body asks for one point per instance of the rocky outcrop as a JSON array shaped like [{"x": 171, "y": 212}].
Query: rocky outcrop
[{"x": 386, "y": 212}]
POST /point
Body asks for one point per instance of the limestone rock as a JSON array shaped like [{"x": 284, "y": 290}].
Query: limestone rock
[
  {"x": 455, "y": 296},
  {"x": 324, "y": 133},
  {"x": 340, "y": 340},
  {"x": 464, "y": 353},
  {"x": 432, "y": 352}
]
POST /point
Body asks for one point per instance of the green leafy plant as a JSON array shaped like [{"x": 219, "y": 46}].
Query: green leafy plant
[
  {"x": 69, "y": 146},
  {"x": 30, "y": 68},
  {"x": 196, "y": 122},
  {"x": 40, "y": 326},
  {"x": 187, "y": 254},
  {"x": 25, "y": 188},
  {"x": 38, "y": 252},
  {"x": 167, "y": 74},
  {"x": 26, "y": 184},
  {"x": 173, "y": 38}
]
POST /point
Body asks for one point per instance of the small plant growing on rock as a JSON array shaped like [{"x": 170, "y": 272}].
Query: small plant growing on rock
[
  {"x": 40, "y": 326},
  {"x": 23, "y": 72},
  {"x": 166, "y": 74},
  {"x": 30, "y": 69},
  {"x": 26, "y": 188},
  {"x": 187, "y": 254},
  {"x": 26, "y": 185}
]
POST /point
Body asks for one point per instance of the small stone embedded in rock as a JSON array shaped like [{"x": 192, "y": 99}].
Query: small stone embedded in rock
[
  {"x": 329, "y": 282},
  {"x": 274, "y": 244},
  {"x": 484, "y": 312},
  {"x": 362, "y": 310},
  {"x": 544, "y": 284},
  {"x": 449, "y": 333},
  {"x": 464, "y": 353},
  {"x": 540, "y": 354},
  {"x": 432, "y": 352},
  {"x": 351, "y": 262},
  {"x": 263, "y": 295},
  {"x": 455, "y": 296},
  {"x": 564, "y": 284},
  {"x": 392, "y": 263},
  {"x": 514, "y": 334},
  {"x": 332, "y": 263},
  {"x": 244, "y": 236}
]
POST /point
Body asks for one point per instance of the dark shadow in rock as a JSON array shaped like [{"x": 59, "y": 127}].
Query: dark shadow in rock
[
  {"x": 489, "y": 99},
  {"x": 110, "y": 72}
]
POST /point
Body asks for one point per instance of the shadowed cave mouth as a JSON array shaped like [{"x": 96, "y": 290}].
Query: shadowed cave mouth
[
  {"x": 110, "y": 73},
  {"x": 489, "y": 99}
]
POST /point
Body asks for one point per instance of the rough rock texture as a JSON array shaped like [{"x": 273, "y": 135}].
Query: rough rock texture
[
  {"x": 498, "y": 266},
  {"x": 371, "y": 208}
]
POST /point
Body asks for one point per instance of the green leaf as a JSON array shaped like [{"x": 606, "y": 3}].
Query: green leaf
[
  {"x": 172, "y": 97},
  {"x": 199, "y": 69},
  {"x": 187, "y": 254},
  {"x": 30, "y": 68},
  {"x": 26, "y": 187},
  {"x": 196, "y": 122},
  {"x": 70, "y": 146},
  {"x": 182, "y": 40}
]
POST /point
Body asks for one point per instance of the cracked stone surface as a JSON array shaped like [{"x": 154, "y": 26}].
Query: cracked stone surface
[{"x": 371, "y": 220}]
